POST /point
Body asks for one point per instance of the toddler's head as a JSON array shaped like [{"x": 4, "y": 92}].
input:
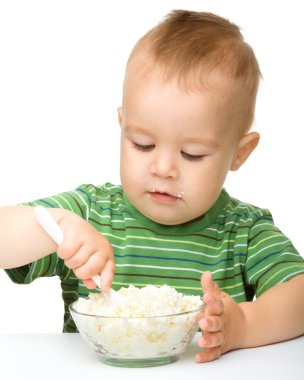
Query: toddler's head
[{"x": 188, "y": 103}]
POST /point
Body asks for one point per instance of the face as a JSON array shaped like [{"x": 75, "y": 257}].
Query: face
[{"x": 176, "y": 148}]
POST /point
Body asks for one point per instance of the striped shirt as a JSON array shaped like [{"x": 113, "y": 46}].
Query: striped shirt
[{"x": 239, "y": 243}]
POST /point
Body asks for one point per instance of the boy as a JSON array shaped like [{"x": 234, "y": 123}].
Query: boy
[{"x": 188, "y": 103}]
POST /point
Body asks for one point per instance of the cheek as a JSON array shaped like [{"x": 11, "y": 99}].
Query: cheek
[
  {"x": 221, "y": 164},
  {"x": 125, "y": 164},
  {"x": 126, "y": 153},
  {"x": 128, "y": 158},
  {"x": 130, "y": 165},
  {"x": 210, "y": 176}
]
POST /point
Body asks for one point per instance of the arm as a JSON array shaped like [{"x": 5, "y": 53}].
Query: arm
[
  {"x": 84, "y": 249},
  {"x": 275, "y": 316},
  {"x": 22, "y": 240}
]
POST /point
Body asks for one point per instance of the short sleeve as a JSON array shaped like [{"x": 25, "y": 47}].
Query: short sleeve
[
  {"x": 272, "y": 259},
  {"x": 77, "y": 201},
  {"x": 48, "y": 266}
]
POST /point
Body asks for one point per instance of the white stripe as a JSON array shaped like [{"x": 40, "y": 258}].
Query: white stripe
[
  {"x": 268, "y": 246},
  {"x": 55, "y": 200},
  {"x": 234, "y": 208},
  {"x": 248, "y": 220},
  {"x": 261, "y": 225},
  {"x": 85, "y": 204},
  {"x": 261, "y": 270},
  {"x": 291, "y": 275},
  {"x": 109, "y": 217},
  {"x": 264, "y": 268},
  {"x": 112, "y": 209},
  {"x": 70, "y": 291},
  {"x": 237, "y": 224},
  {"x": 158, "y": 267},
  {"x": 33, "y": 270},
  {"x": 175, "y": 268},
  {"x": 237, "y": 295},
  {"x": 100, "y": 216},
  {"x": 67, "y": 276},
  {"x": 172, "y": 250},
  {"x": 71, "y": 208},
  {"x": 113, "y": 187},
  {"x": 250, "y": 210},
  {"x": 222, "y": 216},
  {"x": 41, "y": 267},
  {"x": 233, "y": 223},
  {"x": 109, "y": 200},
  {"x": 236, "y": 265},
  {"x": 215, "y": 230}
]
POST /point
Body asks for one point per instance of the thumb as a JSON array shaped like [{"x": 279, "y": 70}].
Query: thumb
[{"x": 208, "y": 285}]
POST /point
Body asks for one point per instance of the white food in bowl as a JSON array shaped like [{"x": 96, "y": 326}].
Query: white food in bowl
[{"x": 152, "y": 322}]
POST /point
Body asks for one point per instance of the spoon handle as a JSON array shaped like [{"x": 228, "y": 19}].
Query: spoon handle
[{"x": 50, "y": 226}]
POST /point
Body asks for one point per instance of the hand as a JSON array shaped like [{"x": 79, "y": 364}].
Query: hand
[
  {"x": 223, "y": 323},
  {"x": 86, "y": 251}
]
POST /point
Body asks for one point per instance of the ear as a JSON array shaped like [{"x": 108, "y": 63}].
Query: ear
[
  {"x": 119, "y": 111},
  {"x": 245, "y": 147}
]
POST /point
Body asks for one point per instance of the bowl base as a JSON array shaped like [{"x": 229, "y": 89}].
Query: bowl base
[{"x": 140, "y": 362}]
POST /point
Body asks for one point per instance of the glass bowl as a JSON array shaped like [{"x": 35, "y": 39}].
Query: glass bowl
[{"x": 137, "y": 341}]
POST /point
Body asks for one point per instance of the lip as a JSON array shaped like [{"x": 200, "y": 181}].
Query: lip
[{"x": 163, "y": 197}]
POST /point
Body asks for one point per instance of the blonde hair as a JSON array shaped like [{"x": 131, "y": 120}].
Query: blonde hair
[{"x": 188, "y": 42}]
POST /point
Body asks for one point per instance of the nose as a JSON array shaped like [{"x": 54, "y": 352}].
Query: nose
[{"x": 164, "y": 165}]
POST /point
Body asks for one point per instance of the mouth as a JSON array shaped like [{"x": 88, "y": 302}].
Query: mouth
[{"x": 164, "y": 197}]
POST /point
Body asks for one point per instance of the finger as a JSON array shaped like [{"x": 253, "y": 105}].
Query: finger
[
  {"x": 214, "y": 304},
  {"x": 79, "y": 258},
  {"x": 208, "y": 355},
  {"x": 208, "y": 340},
  {"x": 67, "y": 249},
  {"x": 94, "y": 265},
  {"x": 211, "y": 324},
  {"x": 107, "y": 275},
  {"x": 89, "y": 283},
  {"x": 208, "y": 285}
]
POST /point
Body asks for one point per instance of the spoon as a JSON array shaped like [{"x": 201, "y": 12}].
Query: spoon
[{"x": 51, "y": 227}]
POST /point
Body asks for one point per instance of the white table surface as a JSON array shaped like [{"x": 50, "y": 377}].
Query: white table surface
[{"x": 66, "y": 356}]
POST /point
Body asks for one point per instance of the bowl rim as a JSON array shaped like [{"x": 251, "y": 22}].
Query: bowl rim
[{"x": 196, "y": 310}]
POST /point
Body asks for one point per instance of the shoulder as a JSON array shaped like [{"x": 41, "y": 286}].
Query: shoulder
[
  {"x": 101, "y": 198},
  {"x": 100, "y": 191},
  {"x": 245, "y": 212}
]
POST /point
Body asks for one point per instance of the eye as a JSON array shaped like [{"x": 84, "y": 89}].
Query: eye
[
  {"x": 192, "y": 157},
  {"x": 143, "y": 148}
]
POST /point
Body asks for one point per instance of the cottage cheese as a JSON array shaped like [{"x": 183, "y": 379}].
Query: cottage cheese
[
  {"x": 140, "y": 302},
  {"x": 151, "y": 322}
]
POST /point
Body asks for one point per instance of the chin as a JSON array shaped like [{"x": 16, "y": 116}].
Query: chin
[{"x": 167, "y": 221}]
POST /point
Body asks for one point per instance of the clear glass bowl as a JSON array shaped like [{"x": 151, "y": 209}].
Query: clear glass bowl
[{"x": 137, "y": 341}]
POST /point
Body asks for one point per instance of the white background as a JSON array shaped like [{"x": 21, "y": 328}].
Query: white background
[{"x": 61, "y": 71}]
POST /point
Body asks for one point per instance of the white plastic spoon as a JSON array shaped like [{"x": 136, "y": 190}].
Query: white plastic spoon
[{"x": 50, "y": 226}]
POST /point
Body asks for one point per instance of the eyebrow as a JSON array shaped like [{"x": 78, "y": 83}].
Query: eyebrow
[
  {"x": 206, "y": 142},
  {"x": 134, "y": 128},
  {"x": 191, "y": 140}
]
